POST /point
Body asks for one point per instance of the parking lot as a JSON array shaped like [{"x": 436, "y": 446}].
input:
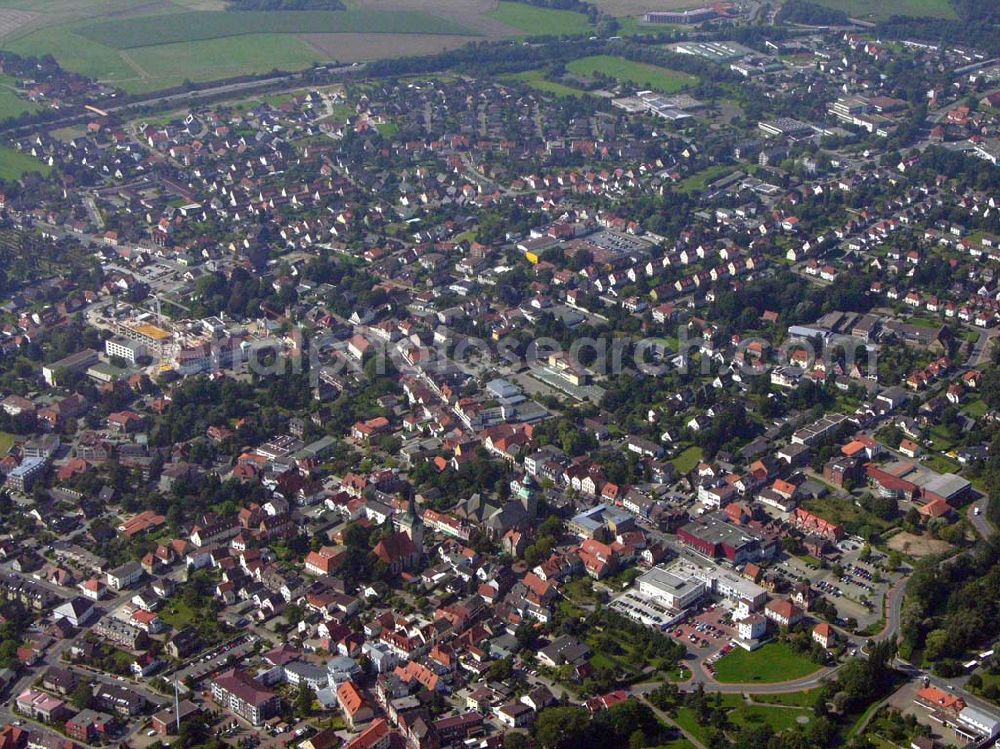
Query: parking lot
[
  {"x": 707, "y": 633},
  {"x": 848, "y": 591},
  {"x": 216, "y": 658}
]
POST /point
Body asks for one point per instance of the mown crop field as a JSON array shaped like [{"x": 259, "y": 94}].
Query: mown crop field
[
  {"x": 883, "y": 9},
  {"x": 143, "y": 46},
  {"x": 637, "y": 73},
  {"x": 168, "y": 65},
  {"x": 146, "y": 31},
  {"x": 535, "y": 21}
]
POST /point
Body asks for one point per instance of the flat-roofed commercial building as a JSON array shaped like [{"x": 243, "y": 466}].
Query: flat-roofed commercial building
[
  {"x": 676, "y": 591},
  {"x": 124, "y": 348}
]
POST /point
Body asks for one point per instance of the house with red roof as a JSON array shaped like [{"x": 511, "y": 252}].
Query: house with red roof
[
  {"x": 783, "y": 613},
  {"x": 806, "y": 522},
  {"x": 376, "y": 736},
  {"x": 824, "y": 634}
]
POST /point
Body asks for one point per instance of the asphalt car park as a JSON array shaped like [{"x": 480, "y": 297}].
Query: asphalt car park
[{"x": 706, "y": 633}]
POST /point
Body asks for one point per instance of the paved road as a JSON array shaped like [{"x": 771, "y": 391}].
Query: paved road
[
  {"x": 782, "y": 687},
  {"x": 893, "y": 612},
  {"x": 983, "y": 526}
]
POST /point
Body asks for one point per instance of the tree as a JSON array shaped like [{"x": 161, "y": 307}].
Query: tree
[
  {"x": 562, "y": 727},
  {"x": 304, "y": 701},
  {"x": 513, "y": 740},
  {"x": 82, "y": 696},
  {"x": 500, "y": 670},
  {"x": 293, "y": 614}
]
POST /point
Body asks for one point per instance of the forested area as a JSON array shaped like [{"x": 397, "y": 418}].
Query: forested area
[
  {"x": 952, "y": 607},
  {"x": 805, "y": 12},
  {"x": 792, "y": 297}
]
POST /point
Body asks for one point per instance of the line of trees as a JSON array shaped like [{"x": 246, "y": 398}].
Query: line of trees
[
  {"x": 285, "y": 5},
  {"x": 805, "y": 12}
]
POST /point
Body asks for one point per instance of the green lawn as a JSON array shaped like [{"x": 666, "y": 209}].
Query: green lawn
[
  {"x": 777, "y": 717},
  {"x": 879, "y": 743},
  {"x": 924, "y": 322},
  {"x": 941, "y": 464},
  {"x": 989, "y": 680},
  {"x": 687, "y": 460},
  {"x": 637, "y": 73},
  {"x": 844, "y": 511},
  {"x": 940, "y": 439},
  {"x": 388, "y": 130},
  {"x": 886, "y": 8},
  {"x": 14, "y": 164},
  {"x": 535, "y": 21},
  {"x": 806, "y": 698},
  {"x": 178, "y": 614},
  {"x": 581, "y": 590},
  {"x": 863, "y": 719},
  {"x": 6, "y": 442},
  {"x": 571, "y": 611},
  {"x": 611, "y": 650},
  {"x": 680, "y": 743},
  {"x": 976, "y": 410},
  {"x": 700, "y": 181},
  {"x": 772, "y": 663},
  {"x": 687, "y": 719},
  {"x": 536, "y": 79},
  {"x": 122, "y": 659}
]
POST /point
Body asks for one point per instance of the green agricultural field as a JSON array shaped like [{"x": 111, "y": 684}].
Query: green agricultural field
[
  {"x": 886, "y": 8},
  {"x": 167, "y": 65},
  {"x": 772, "y": 663},
  {"x": 146, "y": 31},
  {"x": 75, "y": 53},
  {"x": 14, "y": 164},
  {"x": 637, "y": 73},
  {"x": 536, "y": 79},
  {"x": 148, "y": 51},
  {"x": 12, "y": 105},
  {"x": 535, "y": 21}
]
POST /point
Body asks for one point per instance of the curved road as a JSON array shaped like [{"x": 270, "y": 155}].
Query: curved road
[{"x": 753, "y": 687}]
